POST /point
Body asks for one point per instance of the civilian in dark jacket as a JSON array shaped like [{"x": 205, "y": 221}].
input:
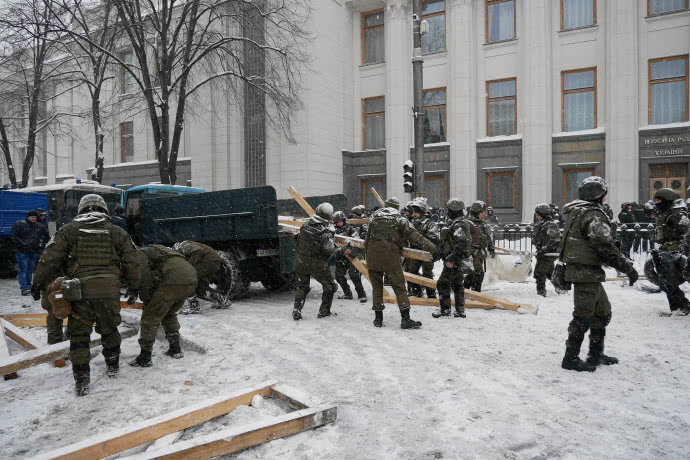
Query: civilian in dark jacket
[{"x": 27, "y": 236}]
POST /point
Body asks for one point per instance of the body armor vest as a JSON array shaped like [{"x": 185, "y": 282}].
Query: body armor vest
[
  {"x": 309, "y": 241},
  {"x": 577, "y": 250},
  {"x": 94, "y": 246}
]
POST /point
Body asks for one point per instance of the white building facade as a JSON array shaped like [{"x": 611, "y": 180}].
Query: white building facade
[{"x": 524, "y": 99}]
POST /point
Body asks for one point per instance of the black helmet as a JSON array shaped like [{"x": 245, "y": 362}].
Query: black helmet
[
  {"x": 325, "y": 211},
  {"x": 592, "y": 188},
  {"x": 455, "y": 205},
  {"x": 339, "y": 216},
  {"x": 543, "y": 210},
  {"x": 392, "y": 202},
  {"x": 666, "y": 194},
  {"x": 477, "y": 207}
]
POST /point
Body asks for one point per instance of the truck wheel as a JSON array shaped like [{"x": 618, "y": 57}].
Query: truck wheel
[
  {"x": 233, "y": 283},
  {"x": 279, "y": 282}
]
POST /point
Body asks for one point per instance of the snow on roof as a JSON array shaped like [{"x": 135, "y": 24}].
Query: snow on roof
[
  {"x": 682, "y": 124},
  {"x": 512, "y": 137},
  {"x": 582, "y": 132}
]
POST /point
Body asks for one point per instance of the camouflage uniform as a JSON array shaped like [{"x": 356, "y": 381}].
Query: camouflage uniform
[
  {"x": 314, "y": 247},
  {"x": 388, "y": 232},
  {"x": 546, "y": 237},
  {"x": 205, "y": 261},
  {"x": 344, "y": 266},
  {"x": 672, "y": 226},
  {"x": 94, "y": 250},
  {"x": 429, "y": 230},
  {"x": 588, "y": 246},
  {"x": 167, "y": 279},
  {"x": 482, "y": 245},
  {"x": 456, "y": 244}
]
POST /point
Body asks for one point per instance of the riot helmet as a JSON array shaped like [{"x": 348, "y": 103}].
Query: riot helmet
[
  {"x": 339, "y": 216},
  {"x": 592, "y": 188},
  {"x": 392, "y": 202},
  {"x": 324, "y": 211},
  {"x": 543, "y": 210},
  {"x": 92, "y": 202},
  {"x": 477, "y": 207}
]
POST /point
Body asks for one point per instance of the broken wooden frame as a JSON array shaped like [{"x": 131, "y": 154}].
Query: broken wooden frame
[{"x": 223, "y": 442}]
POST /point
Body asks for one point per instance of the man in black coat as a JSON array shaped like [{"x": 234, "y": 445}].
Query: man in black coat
[{"x": 27, "y": 236}]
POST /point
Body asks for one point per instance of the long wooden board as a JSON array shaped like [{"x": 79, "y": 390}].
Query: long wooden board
[
  {"x": 235, "y": 439},
  {"x": 378, "y": 197},
  {"x": 5, "y": 353},
  {"x": 106, "y": 444},
  {"x": 301, "y": 201},
  {"x": 341, "y": 240},
  {"x": 28, "y": 319},
  {"x": 422, "y": 302},
  {"x": 19, "y": 336},
  {"x": 48, "y": 354}
]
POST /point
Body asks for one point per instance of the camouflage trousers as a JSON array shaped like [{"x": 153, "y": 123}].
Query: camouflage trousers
[
  {"x": 592, "y": 311},
  {"x": 397, "y": 280},
  {"x": 451, "y": 279},
  {"x": 162, "y": 310},
  {"x": 343, "y": 267},
  {"x": 322, "y": 274},
  {"x": 413, "y": 266},
  {"x": 542, "y": 272},
  {"x": 105, "y": 312},
  {"x": 53, "y": 325}
]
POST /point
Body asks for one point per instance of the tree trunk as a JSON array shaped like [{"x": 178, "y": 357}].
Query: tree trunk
[
  {"x": 98, "y": 132},
  {"x": 6, "y": 151}
]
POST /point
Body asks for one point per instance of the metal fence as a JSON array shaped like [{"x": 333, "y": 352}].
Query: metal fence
[{"x": 632, "y": 238}]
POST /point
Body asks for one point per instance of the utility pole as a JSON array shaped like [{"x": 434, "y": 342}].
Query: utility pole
[{"x": 418, "y": 78}]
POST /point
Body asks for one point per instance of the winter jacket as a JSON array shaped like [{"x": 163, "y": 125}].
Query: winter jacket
[
  {"x": 315, "y": 246},
  {"x": 28, "y": 237}
]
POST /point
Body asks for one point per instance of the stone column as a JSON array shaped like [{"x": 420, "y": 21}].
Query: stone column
[
  {"x": 398, "y": 42},
  {"x": 535, "y": 105},
  {"x": 462, "y": 109},
  {"x": 621, "y": 120}
]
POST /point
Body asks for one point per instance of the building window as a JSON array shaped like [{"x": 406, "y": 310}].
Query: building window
[
  {"x": 374, "y": 123},
  {"x": 127, "y": 83},
  {"x": 572, "y": 178},
  {"x": 434, "y": 13},
  {"x": 579, "y": 99},
  {"x": 373, "y": 51},
  {"x": 655, "y": 7},
  {"x": 502, "y": 187},
  {"x": 126, "y": 141},
  {"x": 578, "y": 13},
  {"x": 434, "y": 115},
  {"x": 501, "y": 107},
  {"x": 500, "y": 20},
  {"x": 668, "y": 90}
]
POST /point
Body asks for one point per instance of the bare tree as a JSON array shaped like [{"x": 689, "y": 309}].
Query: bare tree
[
  {"x": 31, "y": 75},
  {"x": 90, "y": 32},
  {"x": 182, "y": 46}
]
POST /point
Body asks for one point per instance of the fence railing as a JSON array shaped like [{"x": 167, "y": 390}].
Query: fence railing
[{"x": 632, "y": 238}]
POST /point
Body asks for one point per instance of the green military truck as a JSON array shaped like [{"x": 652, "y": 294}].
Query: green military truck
[{"x": 242, "y": 224}]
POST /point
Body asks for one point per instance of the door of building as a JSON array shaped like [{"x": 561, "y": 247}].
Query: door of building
[
  {"x": 436, "y": 190},
  {"x": 673, "y": 176}
]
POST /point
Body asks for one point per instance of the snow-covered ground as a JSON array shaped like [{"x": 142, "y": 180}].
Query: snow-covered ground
[{"x": 489, "y": 386}]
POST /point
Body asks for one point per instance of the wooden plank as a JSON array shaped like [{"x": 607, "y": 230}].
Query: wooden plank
[
  {"x": 106, "y": 444},
  {"x": 378, "y": 197},
  {"x": 422, "y": 302},
  {"x": 28, "y": 319},
  {"x": 47, "y": 354},
  {"x": 13, "y": 316},
  {"x": 341, "y": 240},
  {"x": 291, "y": 229},
  {"x": 236, "y": 439},
  {"x": 165, "y": 441},
  {"x": 5, "y": 353},
  {"x": 301, "y": 201},
  {"x": 19, "y": 336},
  {"x": 289, "y": 396},
  {"x": 362, "y": 221},
  {"x": 134, "y": 306},
  {"x": 291, "y": 223}
]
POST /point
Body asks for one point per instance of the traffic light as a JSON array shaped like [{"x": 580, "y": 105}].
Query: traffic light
[{"x": 408, "y": 176}]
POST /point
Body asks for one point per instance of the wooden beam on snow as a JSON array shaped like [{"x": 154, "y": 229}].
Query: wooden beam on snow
[
  {"x": 233, "y": 440},
  {"x": 47, "y": 354},
  {"x": 422, "y": 302},
  {"x": 5, "y": 352},
  {"x": 301, "y": 201},
  {"x": 341, "y": 240},
  {"x": 107, "y": 444},
  {"x": 19, "y": 336}
]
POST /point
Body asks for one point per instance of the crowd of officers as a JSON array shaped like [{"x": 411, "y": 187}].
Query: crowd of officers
[{"x": 97, "y": 252}]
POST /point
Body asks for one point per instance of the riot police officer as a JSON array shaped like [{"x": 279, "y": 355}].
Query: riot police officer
[
  {"x": 547, "y": 241},
  {"x": 482, "y": 244}
]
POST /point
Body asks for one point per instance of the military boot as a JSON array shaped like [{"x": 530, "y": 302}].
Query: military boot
[
  {"x": 112, "y": 361},
  {"x": 378, "y": 318},
  {"x": 576, "y": 334},
  {"x": 82, "y": 378},
  {"x": 143, "y": 360},
  {"x": 346, "y": 296},
  {"x": 297, "y": 310},
  {"x": 408, "y": 323},
  {"x": 431, "y": 293},
  {"x": 460, "y": 309},
  {"x": 444, "y": 310},
  {"x": 194, "y": 306},
  {"x": 361, "y": 295},
  {"x": 174, "y": 348},
  {"x": 324, "y": 311},
  {"x": 326, "y": 301},
  {"x": 596, "y": 354}
]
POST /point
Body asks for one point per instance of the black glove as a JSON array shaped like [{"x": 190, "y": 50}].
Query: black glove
[
  {"x": 132, "y": 295},
  {"x": 436, "y": 255},
  {"x": 633, "y": 276},
  {"x": 36, "y": 292}
]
